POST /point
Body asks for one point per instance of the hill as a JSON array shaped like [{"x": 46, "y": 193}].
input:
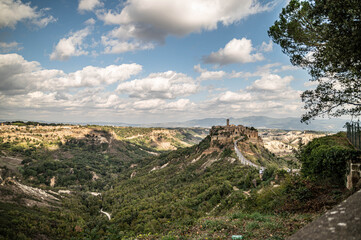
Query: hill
[
  {"x": 262, "y": 122},
  {"x": 65, "y": 189}
]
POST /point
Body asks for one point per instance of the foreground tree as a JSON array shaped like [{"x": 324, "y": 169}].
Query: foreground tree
[{"x": 324, "y": 37}]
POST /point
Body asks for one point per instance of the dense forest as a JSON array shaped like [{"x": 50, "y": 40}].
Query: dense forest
[{"x": 57, "y": 187}]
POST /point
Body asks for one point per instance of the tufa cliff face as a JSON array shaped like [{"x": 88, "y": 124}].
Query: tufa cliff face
[{"x": 222, "y": 136}]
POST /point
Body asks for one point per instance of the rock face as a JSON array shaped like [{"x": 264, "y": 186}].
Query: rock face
[
  {"x": 15, "y": 192},
  {"x": 282, "y": 142}
]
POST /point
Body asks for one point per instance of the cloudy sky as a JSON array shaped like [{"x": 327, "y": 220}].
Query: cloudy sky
[{"x": 142, "y": 61}]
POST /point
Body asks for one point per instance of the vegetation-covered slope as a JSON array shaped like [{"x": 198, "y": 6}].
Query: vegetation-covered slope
[{"x": 182, "y": 194}]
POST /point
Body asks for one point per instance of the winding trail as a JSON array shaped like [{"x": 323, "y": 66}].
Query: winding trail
[
  {"x": 243, "y": 160},
  {"x": 107, "y": 214}
]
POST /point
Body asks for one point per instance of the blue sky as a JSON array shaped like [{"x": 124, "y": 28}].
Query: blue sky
[{"x": 143, "y": 61}]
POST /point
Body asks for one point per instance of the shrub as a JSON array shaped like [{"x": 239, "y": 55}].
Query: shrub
[{"x": 326, "y": 158}]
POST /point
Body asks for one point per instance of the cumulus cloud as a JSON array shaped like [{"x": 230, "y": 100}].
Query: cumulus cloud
[
  {"x": 209, "y": 75},
  {"x": 14, "y": 11},
  {"x": 123, "y": 39},
  {"x": 287, "y": 68},
  {"x": 269, "y": 95},
  {"x": 166, "y": 85},
  {"x": 71, "y": 46},
  {"x": 94, "y": 76},
  {"x": 271, "y": 82},
  {"x": 148, "y": 104},
  {"x": 161, "y": 105},
  {"x": 8, "y": 47},
  {"x": 26, "y": 87},
  {"x": 89, "y": 5},
  {"x": 90, "y": 21},
  {"x": 20, "y": 76},
  {"x": 180, "y": 105},
  {"x": 266, "y": 47},
  {"x": 180, "y": 17},
  {"x": 233, "y": 97},
  {"x": 113, "y": 45},
  {"x": 235, "y": 51},
  {"x": 218, "y": 75},
  {"x": 154, "y": 20}
]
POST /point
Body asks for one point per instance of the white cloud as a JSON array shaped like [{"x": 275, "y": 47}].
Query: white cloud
[
  {"x": 209, "y": 75},
  {"x": 160, "y": 105},
  {"x": 235, "y": 51},
  {"x": 115, "y": 46},
  {"x": 266, "y": 47},
  {"x": 94, "y": 76},
  {"x": 71, "y": 46},
  {"x": 26, "y": 87},
  {"x": 166, "y": 85},
  {"x": 20, "y": 76},
  {"x": 153, "y": 20},
  {"x": 44, "y": 21},
  {"x": 8, "y": 47},
  {"x": 270, "y": 95},
  {"x": 217, "y": 75},
  {"x": 287, "y": 68},
  {"x": 180, "y": 105},
  {"x": 235, "y": 74},
  {"x": 148, "y": 104},
  {"x": 233, "y": 97},
  {"x": 90, "y": 21},
  {"x": 15, "y": 73},
  {"x": 123, "y": 39},
  {"x": 89, "y": 5},
  {"x": 271, "y": 82},
  {"x": 212, "y": 75},
  {"x": 111, "y": 101},
  {"x": 180, "y": 17},
  {"x": 14, "y": 11}
]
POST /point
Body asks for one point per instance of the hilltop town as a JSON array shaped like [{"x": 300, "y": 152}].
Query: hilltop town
[{"x": 224, "y": 136}]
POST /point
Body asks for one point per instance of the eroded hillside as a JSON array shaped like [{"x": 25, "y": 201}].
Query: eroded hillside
[
  {"x": 283, "y": 142},
  {"x": 161, "y": 139},
  {"x": 103, "y": 182}
]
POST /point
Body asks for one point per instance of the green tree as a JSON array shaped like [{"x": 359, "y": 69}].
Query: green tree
[{"x": 324, "y": 37}]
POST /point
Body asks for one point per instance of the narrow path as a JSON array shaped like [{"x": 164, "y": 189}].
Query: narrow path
[
  {"x": 243, "y": 160},
  {"x": 107, "y": 214}
]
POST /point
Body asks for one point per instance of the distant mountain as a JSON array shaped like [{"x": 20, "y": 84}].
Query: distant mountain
[{"x": 290, "y": 123}]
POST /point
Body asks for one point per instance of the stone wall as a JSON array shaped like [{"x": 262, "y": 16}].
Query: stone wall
[{"x": 354, "y": 174}]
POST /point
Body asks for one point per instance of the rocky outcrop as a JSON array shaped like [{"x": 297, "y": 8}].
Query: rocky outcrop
[{"x": 285, "y": 142}]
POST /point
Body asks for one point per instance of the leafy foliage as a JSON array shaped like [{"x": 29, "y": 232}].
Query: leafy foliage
[
  {"x": 326, "y": 158},
  {"x": 324, "y": 37}
]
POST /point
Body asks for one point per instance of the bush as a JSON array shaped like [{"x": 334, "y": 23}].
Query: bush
[
  {"x": 326, "y": 158},
  {"x": 226, "y": 153}
]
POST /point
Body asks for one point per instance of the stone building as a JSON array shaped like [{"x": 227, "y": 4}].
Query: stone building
[{"x": 222, "y": 136}]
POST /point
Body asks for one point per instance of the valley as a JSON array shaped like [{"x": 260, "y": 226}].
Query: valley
[{"x": 103, "y": 182}]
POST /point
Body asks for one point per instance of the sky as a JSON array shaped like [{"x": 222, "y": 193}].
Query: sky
[{"x": 144, "y": 61}]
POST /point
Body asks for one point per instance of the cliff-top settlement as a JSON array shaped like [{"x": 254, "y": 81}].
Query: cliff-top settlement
[{"x": 222, "y": 136}]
